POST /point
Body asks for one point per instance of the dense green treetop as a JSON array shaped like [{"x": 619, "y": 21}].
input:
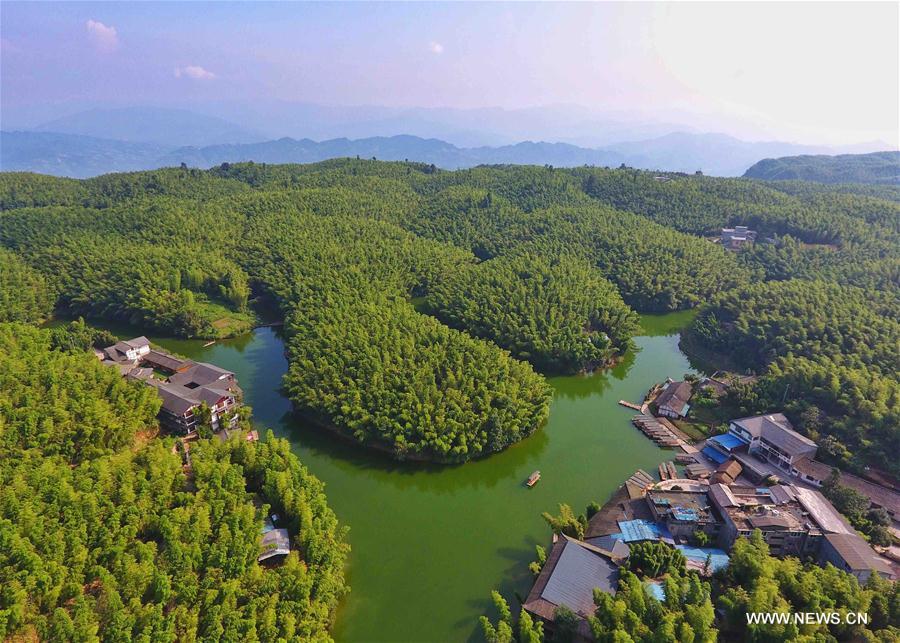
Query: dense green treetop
[
  {"x": 365, "y": 361},
  {"x": 24, "y": 293},
  {"x": 760, "y": 322},
  {"x": 65, "y": 404},
  {"x": 185, "y": 251},
  {"x": 560, "y": 315},
  {"x": 104, "y": 535},
  {"x": 876, "y": 167}
]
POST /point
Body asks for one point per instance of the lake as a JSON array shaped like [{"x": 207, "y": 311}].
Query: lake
[{"x": 431, "y": 542}]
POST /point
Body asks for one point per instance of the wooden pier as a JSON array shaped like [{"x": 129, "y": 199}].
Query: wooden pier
[
  {"x": 629, "y": 405},
  {"x": 656, "y": 431}
]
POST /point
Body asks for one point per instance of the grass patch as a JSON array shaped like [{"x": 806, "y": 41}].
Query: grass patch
[{"x": 694, "y": 430}]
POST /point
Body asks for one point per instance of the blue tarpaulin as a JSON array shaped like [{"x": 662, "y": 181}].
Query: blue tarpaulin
[
  {"x": 718, "y": 558},
  {"x": 635, "y": 530},
  {"x": 714, "y": 455},
  {"x": 727, "y": 441},
  {"x": 656, "y": 590}
]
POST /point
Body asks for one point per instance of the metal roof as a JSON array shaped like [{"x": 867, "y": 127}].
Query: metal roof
[
  {"x": 275, "y": 542},
  {"x": 636, "y": 530},
  {"x": 822, "y": 511},
  {"x": 714, "y": 455},
  {"x": 856, "y": 552},
  {"x": 728, "y": 441},
  {"x": 577, "y": 572}
]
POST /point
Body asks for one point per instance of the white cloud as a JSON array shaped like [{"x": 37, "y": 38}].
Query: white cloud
[
  {"x": 436, "y": 47},
  {"x": 103, "y": 37},
  {"x": 194, "y": 71}
]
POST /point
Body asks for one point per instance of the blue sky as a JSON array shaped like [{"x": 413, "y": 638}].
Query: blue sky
[{"x": 811, "y": 72}]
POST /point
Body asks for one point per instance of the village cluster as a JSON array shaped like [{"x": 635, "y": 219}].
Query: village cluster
[
  {"x": 759, "y": 475},
  {"x": 192, "y": 394}
]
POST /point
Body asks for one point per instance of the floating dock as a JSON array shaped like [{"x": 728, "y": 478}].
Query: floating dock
[{"x": 656, "y": 431}]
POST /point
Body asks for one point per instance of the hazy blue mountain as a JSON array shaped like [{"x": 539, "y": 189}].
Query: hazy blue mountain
[
  {"x": 877, "y": 167},
  {"x": 73, "y": 155},
  {"x": 161, "y": 126},
  {"x": 475, "y": 127},
  {"x": 716, "y": 154},
  {"x": 80, "y": 156},
  {"x": 392, "y": 148}
]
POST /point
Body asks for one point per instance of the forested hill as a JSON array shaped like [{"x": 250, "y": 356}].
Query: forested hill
[
  {"x": 877, "y": 167},
  {"x": 104, "y": 535},
  {"x": 424, "y": 307}
]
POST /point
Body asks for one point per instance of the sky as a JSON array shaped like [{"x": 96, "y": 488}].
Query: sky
[{"x": 819, "y": 73}]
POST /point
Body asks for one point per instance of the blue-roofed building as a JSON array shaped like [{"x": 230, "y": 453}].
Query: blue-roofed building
[
  {"x": 697, "y": 557},
  {"x": 714, "y": 455},
  {"x": 637, "y": 530}
]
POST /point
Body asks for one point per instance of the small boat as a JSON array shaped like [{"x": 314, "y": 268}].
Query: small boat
[
  {"x": 533, "y": 479},
  {"x": 209, "y": 343}
]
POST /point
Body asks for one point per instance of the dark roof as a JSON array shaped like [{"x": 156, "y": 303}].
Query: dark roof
[
  {"x": 139, "y": 373},
  {"x": 137, "y": 342},
  {"x": 856, "y": 553},
  {"x": 201, "y": 374},
  {"x": 768, "y": 521},
  {"x": 728, "y": 471},
  {"x": 614, "y": 547},
  {"x": 179, "y": 399},
  {"x": 731, "y": 468},
  {"x": 722, "y": 496},
  {"x": 675, "y": 396},
  {"x": 621, "y": 506},
  {"x": 166, "y": 361},
  {"x": 777, "y": 429},
  {"x": 176, "y": 399},
  {"x": 877, "y": 494},
  {"x": 275, "y": 542},
  {"x": 814, "y": 469},
  {"x": 569, "y": 577}
]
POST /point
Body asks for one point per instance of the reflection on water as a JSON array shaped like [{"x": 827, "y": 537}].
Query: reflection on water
[{"x": 430, "y": 542}]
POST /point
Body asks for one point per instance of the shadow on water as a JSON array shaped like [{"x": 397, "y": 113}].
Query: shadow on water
[
  {"x": 350, "y": 456},
  {"x": 429, "y": 542}
]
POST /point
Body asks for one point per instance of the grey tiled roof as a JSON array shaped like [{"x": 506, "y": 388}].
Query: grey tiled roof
[
  {"x": 777, "y": 429},
  {"x": 577, "y": 572},
  {"x": 856, "y": 553}
]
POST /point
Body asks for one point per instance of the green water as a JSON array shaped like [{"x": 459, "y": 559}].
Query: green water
[{"x": 429, "y": 543}]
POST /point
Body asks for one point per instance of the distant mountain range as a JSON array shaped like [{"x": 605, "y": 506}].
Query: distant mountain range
[
  {"x": 98, "y": 141},
  {"x": 160, "y": 126},
  {"x": 878, "y": 167}
]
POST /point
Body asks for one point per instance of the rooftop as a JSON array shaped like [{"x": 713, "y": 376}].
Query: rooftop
[
  {"x": 776, "y": 429},
  {"x": 275, "y": 542},
  {"x": 857, "y": 554},
  {"x": 780, "y": 507},
  {"x": 676, "y": 395},
  {"x": 685, "y": 506},
  {"x": 572, "y": 571}
]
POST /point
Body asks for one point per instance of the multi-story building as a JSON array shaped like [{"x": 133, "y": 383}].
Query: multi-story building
[
  {"x": 684, "y": 512},
  {"x": 793, "y": 521},
  {"x": 738, "y": 236},
  {"x": 131, "y": 350},
  {"x": 772, "y": 438},
  {"x": 187, "y": 387}
]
